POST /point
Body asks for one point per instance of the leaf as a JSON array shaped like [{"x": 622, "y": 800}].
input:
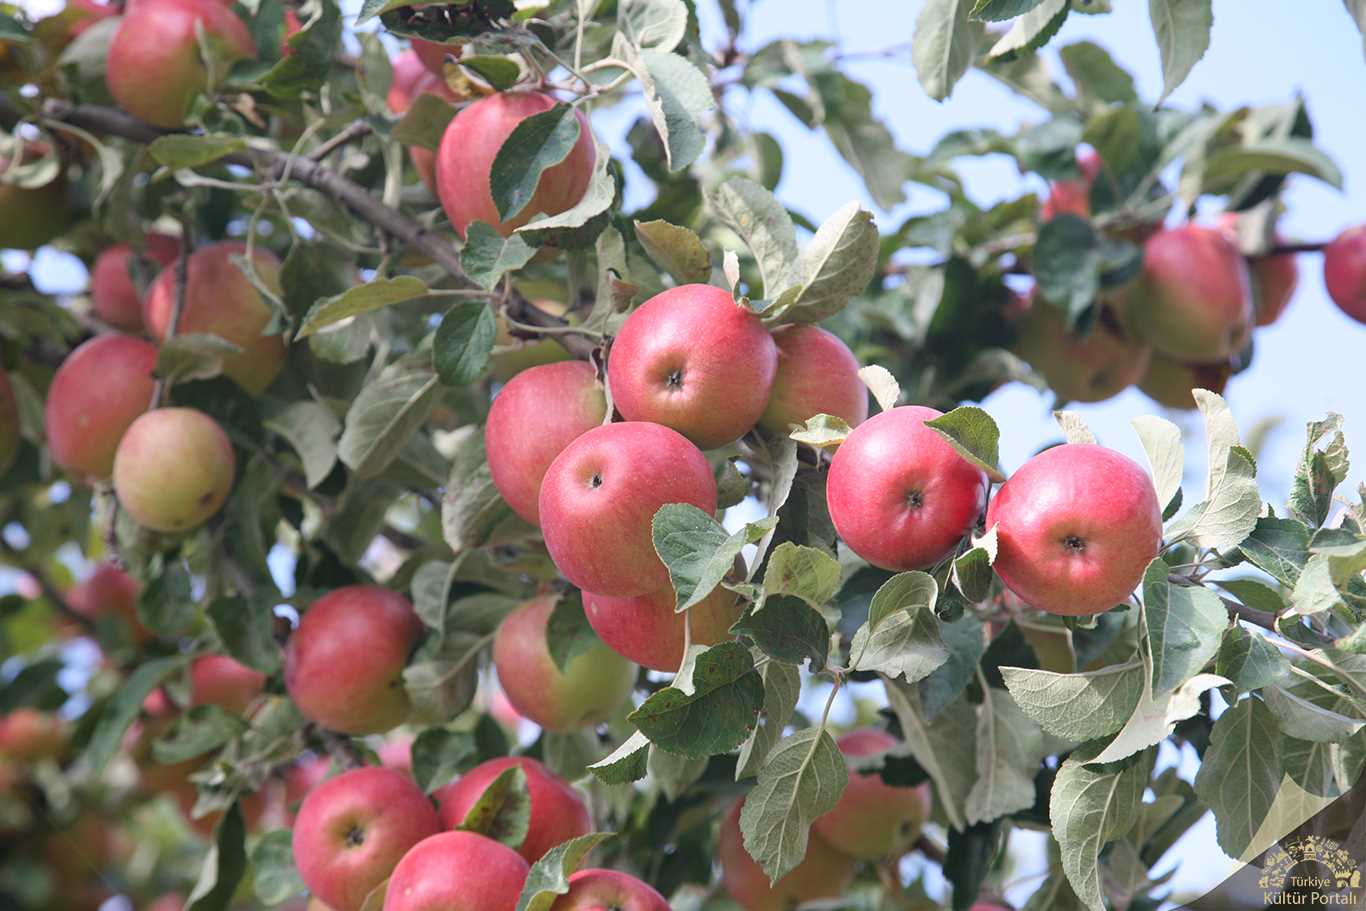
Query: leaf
[
  {"x": 1161, "y": 441},
  {"x": 861, "y": 138},
  {"x": 880, "y": 382},
  {"x": 823, "y": 431},
  {"x": 1001, "y": 10},
  {"x": 1288, "y": 155},
  {"x": 1240, "y": 772},
  {"x": 535, "y": 145},
  {"x": 944, "y": 748},
  {"x": 802, "y": 779},
  {"x": 974, "y": 435},
  {"x": 677, "y": 94},
  {"x": 1279, "y": 547},
  {"x": 762, "y": 223},
  {"x": 1009, "y": 749},
  {"x": 488, "y": 255},
  {"x": 166, "y": 606},
  {"x": 184, "y": 150},
  {"x": 624, "y": 764},
  {"x": 1074, "y": 429},
  {"x": 837, "y": 265},
  {"x": 782, "y": 687},
  {"x": 1319, "y": 471},
  {"x": 1067, "y": 263},
  {"x": 1314, "y": 591},
  {"x": 901, "y": 637},
  {"x": 1097, "y": 77},
  {"x": 1182, "y": 28},
  {"x": 1078, "y": 707},
  {"x": 439, "y": 755},
  {"x": 715, "y": 715},
  {"x": 697, "y": 550},
  {"x": 943, "y": 46},
  {"x": 247, "y": 630},
  {"x": 304, "y": 69},
  {"x": 1184, "y": 624},
  {"x": 193, "y": 356},
  {"x": 1231, "y": 514},
  {"x": 787, "y": 630},
  {"x": 122, "y": 708},
  {"x": 1357, "y": 10},
  {"x": 441, "y": 684},
  {"x": 549, "y": 876},
  {"x": 972, "y": 571},
  {"x": 658, "y": 24},
  {"x": 1156, "y": 716},
  {"x": 199, "y": 730},
  {"x": 312, "y": 430},
  {"x": 385, "y": 413},
  {"x": 568, "y": 633},
  {"x": 963, "y": 638},
  {"x": 274, "y": 878},
  {"x": 503, "y": 810},
  {"x": 1304, "y": 719},
  {"x": 471, "y": 509},
  {"x": 1249, "y": 661},
  {"x": 425, "y": 122},
  {"x": 803, "y": 572},
  {"x": 602, "y": 191},
  {"x": 463, "y": 343},
  {"x": 677, "y": 250},
  {"x": 367, "y": 298},
  {"x": 1031, "y": 31},
  {"x": 674, "y": 774},
  {"x": 224, "y": 865}
]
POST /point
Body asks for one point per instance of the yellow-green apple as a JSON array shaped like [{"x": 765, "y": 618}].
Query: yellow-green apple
[
  {"x": 1169, "y": 382},
  {"x": 1344, "y": 272},
  {"x": 224, "y": 682},
  {"x": 533, "y": 418},
  {"x": 457, "y": 871},
  {"x": 599, "y": 498},
  {"x": 155, "y": 67},
  {"x": 109, "y": 592},
  {"x": 898, "y": 493},
  {"x": 28, "y": 734},
  {"x": 608, "y": 890},
  {"x": 1076, "y": 527},
  {"x": 1073, "y": 197},
  {"x": 352, "y": 830},
  {"x": 220, "y": 300},
  {"x": 557, "y": 812},
  {"x": 817, "y": 374},
  {"x": 873, "y": 820},
  {"x": 823, "y": 872},
  {"x": 411, "y": 81},
  {"x": 1192, "y": 301},
  {"x": 344, "y": 664},
  {"x": 113, "y": 296},
  {"x": 694, "y": 359},
  {"x": 173, "y": 469},
  {"x": 9, "y": 423},
  {"x": 97, "y": 393},
  {"x": 32, "y": 216},
  {"x": 469, "y": 146},
  {"x": 1088, "y": 367},
  {"x": 649, "y": 631}
]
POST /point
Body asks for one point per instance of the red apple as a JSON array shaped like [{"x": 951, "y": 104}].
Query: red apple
[
  {"x": 109, "y": 592},
  {"x": 352, "y": 830},
  {"x": 457, "y": 871},
  {"x": 874, "y": 820},
  {"x": 220, "y": 300},
  {"x": 584, "y": 694},
  {"x": 344, "y": 664},
  {"x": 600, "y": 890},
  {"x": 694, "y": 359},
  {"x": 823, "y": 873},
  {"x": 1193, "y": 300},
  {"x": 112, "y": 294},
  {"x": 817, "y": 374},
  {"x": 173, "y": 469},
  {"x": 98, "y": 392},
  {"x": 600, "y": 495},
  {"x": 471, "y": 143},
  {"x": 155, "y": 68},
  {"x": 9, "y": 423},
  {"x": 1076, "y": 527},
  {"x": 411, "y": 80},
  {"x": 557, "y": 811},
  {"x": 28, "y": 734},
  {"x": 1170, "y": 382},
  {"x": 224, "y": 682},
  {"x": 1080, "y": 368},
  {"x": 647, "y": 630},
  {"x": 1073, "y": 197},
  {"x": 300, "y": 779},
  {"x": 1273, "y": 278},
  {"x": 899, "y": 495},
  {"x": 1344, "y": 272},
  {"x": 533, "y": 418},
  {"x": 32, "y": 216}
]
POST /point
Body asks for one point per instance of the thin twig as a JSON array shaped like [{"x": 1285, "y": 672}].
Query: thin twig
[{"x": 353, "y": 132}]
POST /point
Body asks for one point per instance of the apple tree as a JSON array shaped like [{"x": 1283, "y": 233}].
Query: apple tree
[{"x": 443, "y": 498}]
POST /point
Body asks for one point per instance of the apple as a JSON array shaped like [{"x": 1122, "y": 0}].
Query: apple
[
  {"x": 171, "y": 902},
  {"x": 85, "y": 13},
  {"x": 1088, "y": 367},
  {"x": 32, "y": 216},
  {"x": 112, "y": 294},
  {"x": 412, "y": 80},
  {"x": 1193, "y": 300},
  {"x": 1076, "y": 527},
  {"x": 28, "y": 734},
  {"x": 457, "y": 871},
  {"x": 600, "y": 890},
  {"x": 300, "y": 779},
  {"x": 533, "y": 418},
  {"x": 220, "y": 300},
  {"x": 1273, "y": 278},
  {"x": 344, "y": 664},
  {"x": 557, "y": 811},
  {"x": 353, "y": 829},
  {"x": 224, "y": 682},
  {"x": 599, "y": 498},
  {"x": 1170, "y": 382},
  {"x": 899, "y": 495},
  {"x": 155, "y": 68},
  {"x": 584, "y": 694},
  {"x": 469, "y": 146},
  {"x": 817, "y": 374},
  {"x": 873, "y": 820},
  {"x": 431, "y": 54},
  {"x": 823, "y": 872},
  {"x": 1073, "y": 197},
  {"x": 9, "y": 423},
  {"x": 98, "y": 392},
  {"x": 173, "y": 469},
  {"x": 109, "y": 592},
  {"x": 694, "y": 359},
  {"x": 1344, "y": 272},
  {"x": 647, "y": 630}
]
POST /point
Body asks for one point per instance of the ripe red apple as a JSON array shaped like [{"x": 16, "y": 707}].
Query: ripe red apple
[
  {"x": 471, "y": 143},
  {"x": 112, "y": 294},
  {"x": 353, "y": 829},
  {"x": 647, "y": 630},
  {"x": 600, "y": 890},
  {"x": 27, "y": 734},
  {"x": 155, "y": 68},
  {"x": 220, "y": 300},
  {"x": 557, "y": 811},
  {"x": 1273, "y": 279},
  {"x": 874, "y": 820},
  {"x": 32, "y": 216},
  {"x": 1073, "y": 197},
  {"x": 693, "y": 359},
  {"x": 457, "y": 871},
  {"x": 600, "y": 496},
  {"x": 1080, "y": 368},
  {"x": 584, "y": 694},
  {"x": 1170, "y": 382},
  {"x": 97, "y": 393},
  {"x": 109, "y": 592},
  {"x": 411, "y": 80},
  {"x": 173, "y": 469},
  {"x": 823, "y": 873},
  {"x": 1344, "y": 272},
  {"x": 1193, "y": 300},
  {"x": 533, "y": 418},
  {"x": 9, "y": 423},
  {"x": 1076, "y": 527},
  {"x": 817, "y": 374},
  {"x": 344, "y": 664},
  {"x": 224, "y": 682},
  {"x": 898, "y": 493}
]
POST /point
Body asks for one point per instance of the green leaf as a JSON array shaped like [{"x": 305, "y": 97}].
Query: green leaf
[
  {"x": 787, "y": 630},
  {"x": 1357, "y": 10},
  {"x": 697, "y": 550},
  {"x": 488, "y": 255},
  {"x": 184, "y": 150},
  {"x": 471, "y": 509},
  {"x": 1009, "y": 749},
  {"x": 1078, "y": 707},
  {"x": 782, "y": 688},
  {"x": 862, "y": 139},
  {"x": 1001, "y": 10},
  {"x": 305, "y": 68},
  {"x": 224, "y": 865},
  {"x": 386, "y": 413},
  {"x": 201, "y": 729},
  {"x": 1241, "y": 772},
  {"x": 658, "y": 24},
  {"x": 1161, "y": 441},
  {"x": 676, "y": 250},
  {"x": 963, "y": 638},
  {"x": 537, "y": 144},
  {"x": 1319, "y": 471},
  {"x": 549, "y": 876},
  {"x": 762, "y": 223},
  {"x": 439, "y": 755},
  {"x": 274, "y": 879},
  {"x": 837, "y": 265},
  {"x": 503, "y": 811},
  {"x": 1097, "y": 77},
  {"x": 714, "y": 714},
  {"x": 880, "y": 382},
  {"x": 11, "y": 29},
  {"x": 677, "y": 94},
  {"x": 944, "y": 747},
  {"x": 499, "y": 72},
  {"x": 1183, "y": 622},
  {"x": 166, "y": 606},
  {"x": 312, "y": 430},
  {"x": 568, "y": 633},
  {"x": 463, "y": 343},
  {"x": 1279, "y": 547},
  {"x": 246, "y": 629},
  {"x": 1314, "y": 590},
  {"x": 974, "y": 435},
  {"x": 601, "y": 193},
  {"x": 442, "y": 684},
  {"x": 1301, "y": 716},
  {"x": 367, "y": 298},
  {"x": 1288, "y": 155},
  {"x": 803, "y": 572},
  {"x": 674, "y": 774},
  {"x": 1156, "y": 716},
  {"x": 425, "y": 122},
  {"x": 901, "y": 637},
  {"x": 122, "y": 708},
  {"x": 1067, "y": 263},
  {"x": 1031, "y": 31},
  {"x": 1182, "y": 29},
  {"x": 193, "y": 356},
  {"x": 802, "y": 780},
  {"x": 943, "y": 46},
  {"x": 972, "y": 571},
  {"x": 1248, "y": 660},
  {"x": 625, "y": 764},
  {"x": 823, "y": 431}
]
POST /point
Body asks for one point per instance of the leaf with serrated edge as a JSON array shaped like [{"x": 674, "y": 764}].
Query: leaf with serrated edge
[
  {"x": 1074, "y": 429},
  {"x": 782, "y": 687},
  {"x": 366, "y": 298},
  {"x": 943, "y": 747},
  {"x": 678, "y": 251},
  {"x": 624, "y": 764},
  {"x": 837, "y": 265},
  {"x": 697, "y": 550},
  {"x": 901, "y": 637},
  {"x": 801, "y": 780},
  {"x": 1009, "y": 748},
  {"x": 804, "y": 572},
  {"x": 1161, "y": 441},
  {"x": 1249, "y": 661},
  {"x": 1306, "y": 720},
  {"x": 716, "y": 715},
  {"x": 762, "y": 223},
  {"x": 677, "y": 94},
  {"x": 385, "y": 414},
  {"x": 548, "y": 878},
  {"x": 536, "y": 144},
  {"x": 943, "y": 46},
  {"x": 1155, "y": 717},
  {"x": 974, "y": 435},
  {"x": 602, "y": 190},
  {"x": 1078, "y": 707},
  {"x": 823, "y": 431},
  {"x": 1241, "y": 772},
  {"x": 1184, "y": 623},
  {"x": 1182, "y": 29},
  {"x": 503, "y": 810},
  {"x": 312, "y": 430},
  {"x": 880, "y": 382}
]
